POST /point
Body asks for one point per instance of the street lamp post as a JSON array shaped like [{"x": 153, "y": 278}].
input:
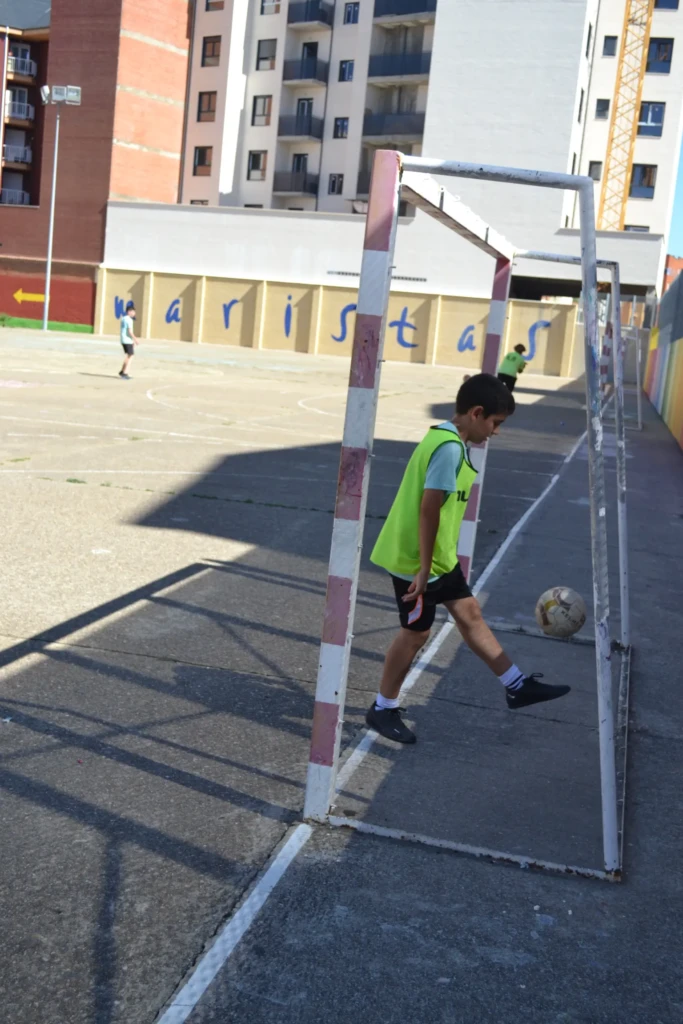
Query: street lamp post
[{"x": 58, "y": 94}]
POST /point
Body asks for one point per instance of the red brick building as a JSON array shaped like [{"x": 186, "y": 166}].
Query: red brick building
[
  {"x": 674, "y": 265},
  {"x": 124, "y": 142}
]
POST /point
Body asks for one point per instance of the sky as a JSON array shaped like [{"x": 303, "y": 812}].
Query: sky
[{"x": 675, "y": 246}]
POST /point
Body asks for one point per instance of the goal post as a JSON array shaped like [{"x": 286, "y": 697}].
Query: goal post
[{"x": 395, "y": 174}]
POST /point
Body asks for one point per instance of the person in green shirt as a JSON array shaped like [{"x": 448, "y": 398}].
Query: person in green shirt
[
  {"x": 418, "y": 546},
  {"x": 513, "y": 363}
]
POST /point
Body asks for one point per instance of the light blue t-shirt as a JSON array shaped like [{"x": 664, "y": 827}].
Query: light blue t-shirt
[
  {"x": 442, "y": 473},
  {"x": 126, "y": 330}
]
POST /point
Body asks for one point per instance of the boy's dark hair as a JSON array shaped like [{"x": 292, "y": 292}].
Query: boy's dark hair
[
  {"x": 520, "y": 348},
  {"x": 129, "y": 306},
  {"x": 487, "y": 391}
]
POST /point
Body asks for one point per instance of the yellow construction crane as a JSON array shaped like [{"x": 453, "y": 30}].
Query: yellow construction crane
[{"x": 628, "y": 91}]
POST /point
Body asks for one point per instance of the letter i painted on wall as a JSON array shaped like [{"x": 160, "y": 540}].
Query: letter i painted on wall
[{"x": 288, "y": 317}]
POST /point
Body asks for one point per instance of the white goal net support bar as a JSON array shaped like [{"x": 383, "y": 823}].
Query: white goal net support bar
[{"x": 397, "y": 176}]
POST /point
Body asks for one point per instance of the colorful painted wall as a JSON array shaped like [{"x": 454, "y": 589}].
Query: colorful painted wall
[
  {"x": 317, "y": 319},
  {"x": 664, "y": 373}
]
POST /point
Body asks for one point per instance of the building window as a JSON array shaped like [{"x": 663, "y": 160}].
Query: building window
[
  {"x": 256, "y": 168},
  {"x": 346, "y": 70},
  {"x": 574, "y": 164},
  {"x": 595, "y": 170},
  {"x": 651, "y": 120},
  {"x": 638, "y": 227},
  {"x": 199, "y": 202},
  {"x": 589, "y": 40},
  {"x": 207, "y": 106},
  {"x": 659, "y": 55},
  {"x": 260, "y": 111},
  {"x": 202, "y": 160},
  {"x": 253, "y": 206},
  {"x": 215, "y": 5},
  {"x": 336, "y": 185},
  {"x": 666, "y": 5},
  {"x": 265, "y": 56},
  {"x": 609, "y": 47},
  {"x": 341, "y": 128},
  {"x": 270, "y": 6},
  {"x": 351, "y": 14},
  {"x": 602, "y": 110},
  {"x": 643, "y": 180},
  {"x": 581, "y": 98},
  {"x": 211, "y": 51}
]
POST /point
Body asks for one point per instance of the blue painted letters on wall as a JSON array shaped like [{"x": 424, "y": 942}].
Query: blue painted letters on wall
[
  {"x": 400, "y": 326},
  {"x": 227, "y": 306},
  {"x": 288, "y": 317},
  {"x": 119, "y": 307},
  {"x": 538, "y": 326},
  {"x": 466, "y": 342},
  {"x": 173, "y": 312},
  {"x": 351, "y": 308}
]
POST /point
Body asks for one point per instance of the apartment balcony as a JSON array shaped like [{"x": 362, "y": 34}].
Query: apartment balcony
[
  {"x": 295, "y": 183},
  {"x": 19, "y": 111},
  {"x": 310, "y": 14},
  {"x": 14, "y": 197},
  {"x": 17, "y": 154},
  {"x": 309, "y": 71},
  {"x": 22, "y": 66},
  {"x": 398, "y": 128},
  {"x": 296, "y": 127},
  {"x": 406, "y": 12},
  {"x": 389, "y": 68}
]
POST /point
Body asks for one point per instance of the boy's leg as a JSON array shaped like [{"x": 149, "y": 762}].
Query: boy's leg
[
  {"x": 398, "y": 659},
  {"x": 126, "y": 363},
  {"x": 521, "y": 690}
]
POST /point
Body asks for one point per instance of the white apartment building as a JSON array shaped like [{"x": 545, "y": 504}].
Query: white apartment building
[{"x": 289, "y": 99}]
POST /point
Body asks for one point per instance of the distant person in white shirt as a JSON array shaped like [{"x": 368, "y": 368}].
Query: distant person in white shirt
[{"x": 128, "y": 339}]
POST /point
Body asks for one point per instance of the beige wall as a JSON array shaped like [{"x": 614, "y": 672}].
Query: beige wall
[{"x": 436, "y": 329}]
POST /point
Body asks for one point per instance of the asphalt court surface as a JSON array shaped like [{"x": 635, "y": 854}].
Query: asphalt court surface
[{"x": 165, "y": 550}]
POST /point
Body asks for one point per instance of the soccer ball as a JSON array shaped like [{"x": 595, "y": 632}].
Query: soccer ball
[{"x": 560, "y": 611}]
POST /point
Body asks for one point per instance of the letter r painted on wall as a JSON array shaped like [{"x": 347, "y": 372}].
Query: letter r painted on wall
[
  {"x": 227, "y": 306},
  {"x": 173, "y": 312},
  {"x": 540, "y": 325}
]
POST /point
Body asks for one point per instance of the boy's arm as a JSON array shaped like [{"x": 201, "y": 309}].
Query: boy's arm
[
  {"x": 131, "y": 335},
  {"x": 430, "y": 515}
]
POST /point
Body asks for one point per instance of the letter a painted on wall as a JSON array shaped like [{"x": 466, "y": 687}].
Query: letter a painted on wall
[
  {"x": 346, "y": 311},
  {"x": 119, "y": 307},
  {"x": 400, "y": 326},
  {"x": 227, "y": 306},
  {"x": 538, "y": 326},
  {"x": 466, "y": 342},
  {"x": 173, "y": 312}
]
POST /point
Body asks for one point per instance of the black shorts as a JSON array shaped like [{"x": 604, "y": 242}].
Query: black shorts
[
  {"x": 508, "y": 380},
  {"x": 129, "y": 349},
  {"x": 420, "y": 615}
]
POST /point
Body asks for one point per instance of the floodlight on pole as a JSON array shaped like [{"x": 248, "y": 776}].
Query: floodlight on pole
[{"x": 56, "y": 94}]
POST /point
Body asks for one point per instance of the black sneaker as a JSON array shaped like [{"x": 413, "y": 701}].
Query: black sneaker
[
  {"x": 388, "y": 723},
  {"x": 124, "y": 376},
  {"x": 533, "y": 692}
]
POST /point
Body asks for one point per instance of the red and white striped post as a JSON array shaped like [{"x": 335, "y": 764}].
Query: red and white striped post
[
  {"x": 353, "y": 483},
  {"x": 495, "y": 329}
]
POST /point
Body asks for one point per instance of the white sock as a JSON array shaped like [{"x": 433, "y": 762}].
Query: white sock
[
  {"x": 386, "y": 703},
  {"x": 512, "y": 679}
]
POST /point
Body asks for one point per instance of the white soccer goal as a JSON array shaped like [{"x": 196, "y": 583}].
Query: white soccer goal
[{"x": 396, "y": 176}]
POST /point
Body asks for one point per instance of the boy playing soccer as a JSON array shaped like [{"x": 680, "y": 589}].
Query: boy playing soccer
[
  {"x": 128, "y": 339},
  {"x": 512, "y": 364},
  {"x": 418, "y": 546}
]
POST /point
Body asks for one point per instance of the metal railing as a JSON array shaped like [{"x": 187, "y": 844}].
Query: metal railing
[
  {"x": 14, "y": 197},
  {"x": 296, "y": 182},
  {"x": 300, "y": 125},
  {"x": 387, "y": 8},
  {"x": 309, "y": 69},
  {"x": 394, "y": 124},
  {"x": 20, "y": 111},
  {"x": 390, "y": 64},
  {"x": 17, "y": 154},
  {"x": 22, "y": 66},
  {"x": 310, "y": 11}
]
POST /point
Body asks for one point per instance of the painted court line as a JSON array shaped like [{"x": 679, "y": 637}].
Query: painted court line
[{"x": 236, "y": 927}]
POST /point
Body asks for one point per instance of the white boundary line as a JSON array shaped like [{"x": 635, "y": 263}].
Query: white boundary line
[{"x": 236, "y": 927}]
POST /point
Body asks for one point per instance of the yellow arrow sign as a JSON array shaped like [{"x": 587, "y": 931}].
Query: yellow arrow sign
[{"x": 22, "y": 296}]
